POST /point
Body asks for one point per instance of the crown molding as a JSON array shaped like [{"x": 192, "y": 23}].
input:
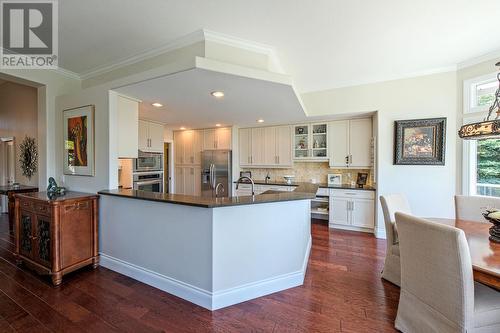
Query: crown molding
[
  {"x": 245, "y": 44},
  {"x": 67, "y": 73},
  {"x": 495, "y": 55},
  {"x": 194, "y": 37}
]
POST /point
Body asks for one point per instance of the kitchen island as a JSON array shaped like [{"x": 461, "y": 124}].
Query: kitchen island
[{"x": 214, "y": 252}]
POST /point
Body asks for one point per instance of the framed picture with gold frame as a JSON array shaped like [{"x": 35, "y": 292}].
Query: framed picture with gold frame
[{"x": 79, "y": 145}]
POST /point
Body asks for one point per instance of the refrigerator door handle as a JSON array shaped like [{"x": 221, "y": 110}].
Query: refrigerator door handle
[
  {"x": 211, "y": 175},
  {"x": 214, "y": 179}
]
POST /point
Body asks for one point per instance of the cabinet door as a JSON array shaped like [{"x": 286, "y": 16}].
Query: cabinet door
[
  {"x": 269, "y": 146},
  {"x": 338, "y": 147},
  {"x": 245, "y": 145},
  {"x": 257, "y": 156},
  {"x": 128, "y": 117},
  {"x": 43, "y": 240},
  {"x": 197, "y": 146},
  {"x": 284, "y": 145},
  {"x": 155, "y": 137},
  {"x": 209, "y": 139},
  {"x": 26, "y": 234},
  {"x": 143, "y": 135},
  {"x": 223, "y": 138},
  {"x": 197, "y": 180},
  {"x": 179, "y": 179},
  {"x": 188, "y": 145},
  {"x": 339, "y": 210},
  {"x": 362, "y": 214},
  {"x": 179, "y": 147},
  {"x": 360, "y": 136},
  {"x": 189, "y": 180}
]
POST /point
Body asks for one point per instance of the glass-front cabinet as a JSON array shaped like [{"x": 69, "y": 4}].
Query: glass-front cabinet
[{"x": 311, "y": 142}]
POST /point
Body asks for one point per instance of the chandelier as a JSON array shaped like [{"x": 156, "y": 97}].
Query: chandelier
[{"x": 488, "y": 128}]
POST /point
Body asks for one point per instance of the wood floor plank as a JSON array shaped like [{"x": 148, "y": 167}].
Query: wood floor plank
[{"x": 342, "y": 292}]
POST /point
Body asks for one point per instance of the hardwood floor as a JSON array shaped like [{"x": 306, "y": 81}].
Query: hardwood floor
[{"x": 342, "y": 292}]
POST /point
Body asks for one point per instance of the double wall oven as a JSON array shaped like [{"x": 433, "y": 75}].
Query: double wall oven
[{"x": 148, "y": 172}]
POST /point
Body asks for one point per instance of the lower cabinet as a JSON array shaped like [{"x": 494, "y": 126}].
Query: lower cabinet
[
  {"x": 56, "y": 236},
  {"x": 353, "y": 209},
  {"x": 188, "y": 180}
]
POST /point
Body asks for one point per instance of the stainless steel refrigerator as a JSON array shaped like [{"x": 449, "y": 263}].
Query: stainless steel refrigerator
[{"x": 216, "y": 169}]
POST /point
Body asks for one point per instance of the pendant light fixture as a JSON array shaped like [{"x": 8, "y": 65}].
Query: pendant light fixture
[{"x": 489, "y": 128}]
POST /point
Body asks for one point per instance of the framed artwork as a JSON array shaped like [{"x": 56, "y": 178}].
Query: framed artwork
[
  {"x": 79, "y": 141},
  {"x": 420, "y": 142},
  {"x": 334, "y": 179},
  {"x": 362, "y": 179}
]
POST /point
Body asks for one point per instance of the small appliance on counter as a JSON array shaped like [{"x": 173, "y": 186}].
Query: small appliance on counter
[
  {"x": 245, "y": 174},
  {"x": 289, "y": 179}
]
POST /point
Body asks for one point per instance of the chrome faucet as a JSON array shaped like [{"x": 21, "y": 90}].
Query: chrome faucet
[
  {"x": 251, "y": 181},
  {"x": 267, "y": 177},
  {"x": 219, "y": 185}
]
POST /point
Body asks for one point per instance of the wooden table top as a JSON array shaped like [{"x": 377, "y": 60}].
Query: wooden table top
[
  {"x": 485, "y": 254},
  {"x": 6, "y": 189}
]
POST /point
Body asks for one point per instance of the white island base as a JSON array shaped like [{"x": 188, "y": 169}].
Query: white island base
[{"x": 213, "y": 257}]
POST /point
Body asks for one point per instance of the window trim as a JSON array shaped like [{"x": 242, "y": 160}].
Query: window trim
[{"x": 469, "y": 94}]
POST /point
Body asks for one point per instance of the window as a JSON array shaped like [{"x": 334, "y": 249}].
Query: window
[{"x": 481, "y": 158}]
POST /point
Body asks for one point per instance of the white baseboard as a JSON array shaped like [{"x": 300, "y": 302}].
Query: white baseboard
[
  {"x": 204, "y": 298},
  {"x": 175, "y": 287},
  {"x": 380, "y": 233},
  {"x": 350, "y": 228}
]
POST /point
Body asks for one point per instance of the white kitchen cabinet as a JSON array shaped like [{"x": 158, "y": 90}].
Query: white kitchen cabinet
[
  {"x": 258, "y": 153},
  {"x": 360, "y": 136},
  {"x": 310, "y": 142},
  {"x": 349, "y": 143},
  {"x": 284, "y": 146},
  {"x": 179, "y": 179},
  {"x": 150, "y": 136},
  {"x": 245, "y": 145},
  {"x": 352, "y": 209},
  {"x": 128, "y": 122},
  {"x": 188, "y": 146},
  {"x": 265, "y": 147},
  {"x": 217, "y": 139}
]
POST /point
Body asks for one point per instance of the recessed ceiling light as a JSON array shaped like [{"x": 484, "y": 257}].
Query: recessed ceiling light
[
  {"x": 217, "y": 125},
  {"x": 157, "y": 105},
  {"x": 260, "y": 120},
  {"x": 217, "y": 94},
  {"x": 183, "y": 128}
]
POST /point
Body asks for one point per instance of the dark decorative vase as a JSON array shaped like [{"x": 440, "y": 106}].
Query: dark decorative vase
[{"x": 495, "y": 229}]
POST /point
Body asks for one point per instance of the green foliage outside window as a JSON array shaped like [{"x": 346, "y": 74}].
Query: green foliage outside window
[
  {"x": 488, "y": 161},
  {"x": 485, "y": 99}
]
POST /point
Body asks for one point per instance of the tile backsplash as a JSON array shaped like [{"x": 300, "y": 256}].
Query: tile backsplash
[{"x": 307, "y": 171}]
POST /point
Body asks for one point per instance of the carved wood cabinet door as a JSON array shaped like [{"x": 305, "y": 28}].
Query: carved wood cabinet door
[
  {"x": 43, "y": 240},
  {"x": 26, "y": 247}
]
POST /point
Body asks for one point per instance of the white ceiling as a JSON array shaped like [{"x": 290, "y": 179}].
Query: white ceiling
[
  {"x": 322, "y": 43},
  {"x": 187, "y": 100}
]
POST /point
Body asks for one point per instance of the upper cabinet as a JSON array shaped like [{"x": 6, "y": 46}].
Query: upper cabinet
[
  {"x": 266, "y": 146},
  {"x": 310, "y": 142},
  {"x": 188, "y": 147},
  {"x": 217, "y": 139},
  {"x": 150, "y": 136},
  {"x": 349, "y": 143},
  {"x": 128, "y": 116}
]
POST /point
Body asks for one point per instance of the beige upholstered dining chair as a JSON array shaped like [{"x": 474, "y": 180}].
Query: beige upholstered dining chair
[
  {"x": 470, "y": 207},
  {"x": 391, "y": 204},
  {"x": 438, "y": 293}
]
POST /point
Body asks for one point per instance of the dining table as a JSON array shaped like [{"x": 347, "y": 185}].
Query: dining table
[{"x": 485, "y": 254}]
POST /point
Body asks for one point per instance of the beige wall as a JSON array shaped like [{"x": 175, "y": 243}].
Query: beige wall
[
  {"x": 18, "y": 118},
  {"x": 430, "y": 189}
]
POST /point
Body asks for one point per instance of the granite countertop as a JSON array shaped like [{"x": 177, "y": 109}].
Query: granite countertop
[
  {"x": 69, "y": 195},
  {"x": 302, "y": 192},
  {"x": 321, "y": 185},
  {"x": 21, "y": 188}
]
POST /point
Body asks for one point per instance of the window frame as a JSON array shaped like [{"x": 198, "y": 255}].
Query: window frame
[{"x": 472, "y": 114}]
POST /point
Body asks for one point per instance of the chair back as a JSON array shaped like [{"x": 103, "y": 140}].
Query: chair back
[
  {"x": 436, "y": 268},
  {"x": 470, "y": 207},
  {"x": 391, "y": 204}
]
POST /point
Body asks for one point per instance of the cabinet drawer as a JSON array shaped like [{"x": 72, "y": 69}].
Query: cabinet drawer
[
  {"x": 353, "y": 194},
  {"x": 26, "y": 204},
  {"x": 323, "y": 192},
  {"x": 42, "y": 209}
]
